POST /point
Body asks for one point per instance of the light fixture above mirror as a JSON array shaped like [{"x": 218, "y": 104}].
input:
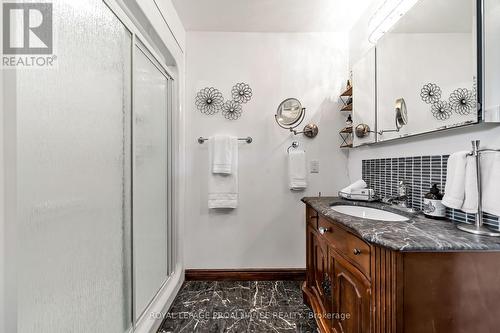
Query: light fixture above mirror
[{"x": 386, "y": 16}]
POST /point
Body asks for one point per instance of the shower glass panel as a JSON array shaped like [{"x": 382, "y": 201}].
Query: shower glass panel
[
  {"x": 150, "y": 141},
  {"x": 74, "y": 259}
]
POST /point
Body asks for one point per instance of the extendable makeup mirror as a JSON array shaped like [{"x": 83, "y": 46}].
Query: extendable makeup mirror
[{"x": 290, "y": 115}]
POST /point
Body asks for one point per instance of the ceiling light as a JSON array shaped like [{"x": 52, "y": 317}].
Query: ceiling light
[{"x": 386, "y": 16}]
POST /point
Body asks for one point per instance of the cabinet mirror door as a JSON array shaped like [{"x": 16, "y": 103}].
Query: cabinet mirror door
[{"x": 429, "y": 59}]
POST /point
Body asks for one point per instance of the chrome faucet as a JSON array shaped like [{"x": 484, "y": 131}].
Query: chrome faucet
[{"x": 401, "y": 198}]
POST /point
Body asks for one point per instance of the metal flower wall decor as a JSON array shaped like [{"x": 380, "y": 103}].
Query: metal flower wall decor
[
  {"x": 430, "y": 93},
  {"x": 231, "y": 110},
  {"x": 461, "y": 101},
  {"x": 241, "y": 92},
  {"x": 441, "y": 110},
  {"x": 210, "y": 101}
]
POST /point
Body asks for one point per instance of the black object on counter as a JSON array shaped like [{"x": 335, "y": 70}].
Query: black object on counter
[{"x": 433, "y": 206}]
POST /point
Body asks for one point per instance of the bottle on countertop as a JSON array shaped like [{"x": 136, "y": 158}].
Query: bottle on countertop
[{"x": 433, "y": 207}]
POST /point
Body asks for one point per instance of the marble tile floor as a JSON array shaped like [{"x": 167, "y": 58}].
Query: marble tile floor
[{"x": 239, "y": 306}]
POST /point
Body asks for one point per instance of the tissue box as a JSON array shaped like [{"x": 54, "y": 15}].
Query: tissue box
[{"x": 365, "y": 194}]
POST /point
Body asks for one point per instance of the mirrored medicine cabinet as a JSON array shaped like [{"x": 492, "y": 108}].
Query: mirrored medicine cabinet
[{"x": 441, "y": 59}]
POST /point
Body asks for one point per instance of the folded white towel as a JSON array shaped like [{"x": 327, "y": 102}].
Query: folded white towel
[
  {"x": 454, "y": 191},
  {"x": 471, "y": 191},
  {"x": 223, "y": 188},
  {"x": 297, "y": 171},
  {"x": 222, "y": 153},
  {"x": 490, "y": 175},
  {"x": 357, "y": 185}
]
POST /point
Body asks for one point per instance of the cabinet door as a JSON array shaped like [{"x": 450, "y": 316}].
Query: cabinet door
[
  {"x": 321, "y": 265},
  {"x": 310, "y": 260},
  {"x": 352, "y": 297},
  {"x": 317, "y": 263},
  {"x": 330, "y": 295}
]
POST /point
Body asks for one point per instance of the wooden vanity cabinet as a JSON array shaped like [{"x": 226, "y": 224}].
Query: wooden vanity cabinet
[
  {"x": 333, "y": 284},
  {"x": 388, "y": 291}
]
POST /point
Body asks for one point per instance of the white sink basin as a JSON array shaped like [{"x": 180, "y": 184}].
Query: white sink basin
[{"x": 369, "y": 213}]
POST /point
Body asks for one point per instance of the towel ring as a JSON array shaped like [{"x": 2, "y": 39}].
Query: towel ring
[{"x": 294, "y": 145}]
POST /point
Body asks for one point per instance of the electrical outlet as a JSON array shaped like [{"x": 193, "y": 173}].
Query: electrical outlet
[{"x": 314, "y": 166}]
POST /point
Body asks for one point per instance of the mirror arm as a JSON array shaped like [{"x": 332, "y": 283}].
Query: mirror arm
[
  {"x": 400, "y": 109},
  {"x": 306, "y": 130},
  {"x": 385, "y": 131}
]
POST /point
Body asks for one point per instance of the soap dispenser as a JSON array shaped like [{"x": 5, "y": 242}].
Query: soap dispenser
[{"x": 433, "y": 206}]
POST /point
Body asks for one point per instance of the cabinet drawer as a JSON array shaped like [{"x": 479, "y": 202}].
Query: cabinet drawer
[{"x": 349, "y": 245}]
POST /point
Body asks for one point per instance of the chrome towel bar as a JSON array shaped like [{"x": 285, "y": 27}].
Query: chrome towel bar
[
  {"x": 248, "y": 139},
  {"x": 478, "y": 228}
]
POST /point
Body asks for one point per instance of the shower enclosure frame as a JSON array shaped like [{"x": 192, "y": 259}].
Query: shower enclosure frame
[
  {"x": 139, "y": 46},
  {"x": 139, "y": 40},
  {"x": 8, "y": 197}
]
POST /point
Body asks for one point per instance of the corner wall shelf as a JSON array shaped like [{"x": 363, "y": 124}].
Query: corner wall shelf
[
  {"x": 347, "y": 107},
  {"x": 347, "y": 132},
  {"x": 346, "y": 135},
  {"x": 347, "y": 129},
  {"x": 347, "y": 92}
]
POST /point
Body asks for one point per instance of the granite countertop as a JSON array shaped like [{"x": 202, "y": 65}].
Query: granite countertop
[{"x": 418, "y": 234}]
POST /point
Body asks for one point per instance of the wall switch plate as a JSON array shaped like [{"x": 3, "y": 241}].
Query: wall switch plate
[{"x": 314, "y": 166}]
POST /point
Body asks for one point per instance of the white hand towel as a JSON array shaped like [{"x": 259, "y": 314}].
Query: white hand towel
[
  {"x": 454, "y": 191},
  {"x": 471, "y": 191},
  {"x": 297, "y": 171},
  {"x": 223, "y": 188},
  {"x": 490, "y": 175},
  {"x": 222, "y": 153},
  {"x": 357, "y": 185}
]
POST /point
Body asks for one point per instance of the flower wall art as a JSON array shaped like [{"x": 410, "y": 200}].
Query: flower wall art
[
  {"x": 461, "y": 101},
  {"x": 210, "y": 101}
]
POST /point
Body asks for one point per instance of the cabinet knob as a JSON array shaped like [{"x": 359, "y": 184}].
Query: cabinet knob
[
  {"x": 323, "y": 230},
  {"x": 313, "y": 217},
  {"x": 356, "y": 252}
]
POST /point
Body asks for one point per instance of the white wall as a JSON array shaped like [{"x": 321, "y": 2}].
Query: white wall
[
  {"x": 434, "y": 143},
  {"x": 267, "y": 229}
]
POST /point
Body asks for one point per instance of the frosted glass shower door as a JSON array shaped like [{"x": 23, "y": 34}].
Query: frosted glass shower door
[
  {"x": 150, "y": 174},
  {"x": 73, "y": 173}
]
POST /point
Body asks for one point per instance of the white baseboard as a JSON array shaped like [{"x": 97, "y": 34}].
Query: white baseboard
[{"x": 152, "y": 318}]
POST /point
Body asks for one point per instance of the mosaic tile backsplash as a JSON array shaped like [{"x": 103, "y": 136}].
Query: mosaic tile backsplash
[{"x": 418, "y": 173}]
